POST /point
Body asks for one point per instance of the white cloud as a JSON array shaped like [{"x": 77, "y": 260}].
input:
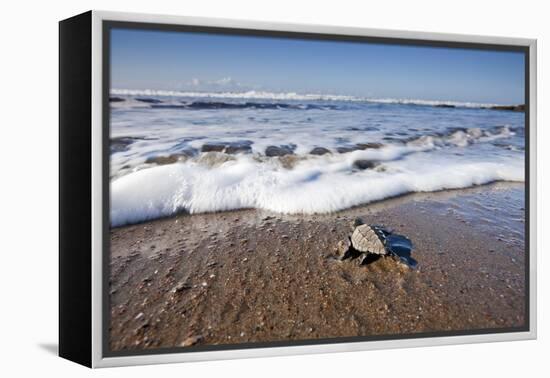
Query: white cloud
[
  {"x": 225, "y": 81},
  {"x": 223, "y": 84}
]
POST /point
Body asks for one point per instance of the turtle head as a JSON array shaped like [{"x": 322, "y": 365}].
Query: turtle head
[{"x": 358, "y": 222}]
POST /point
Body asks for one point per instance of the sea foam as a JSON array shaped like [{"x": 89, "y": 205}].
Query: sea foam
[{"x": 318, "y": 185}]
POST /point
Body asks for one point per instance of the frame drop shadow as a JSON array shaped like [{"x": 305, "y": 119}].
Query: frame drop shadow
[{"x": 51, "y": 348}]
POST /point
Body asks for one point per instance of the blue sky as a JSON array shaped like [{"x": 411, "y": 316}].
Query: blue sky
[{"x": 206, "y": 62}]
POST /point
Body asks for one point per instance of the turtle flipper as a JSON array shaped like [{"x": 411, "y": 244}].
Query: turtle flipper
[
  {"x": 407, "y": 260},
  {"x": 383, "y": 230},
  {"x": 347, "y": 254},
  {"x": 401, "y": 248},
  {"x": 368, "y": 258}
]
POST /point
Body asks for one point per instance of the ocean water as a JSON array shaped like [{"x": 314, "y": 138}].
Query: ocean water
[{"x": 290, "y": 153}]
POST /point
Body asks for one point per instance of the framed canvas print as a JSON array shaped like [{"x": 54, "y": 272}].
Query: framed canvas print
[{"x": 233, "y": 189}]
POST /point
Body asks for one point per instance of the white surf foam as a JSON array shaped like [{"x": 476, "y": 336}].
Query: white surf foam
[{"x": 318, "y": 185}]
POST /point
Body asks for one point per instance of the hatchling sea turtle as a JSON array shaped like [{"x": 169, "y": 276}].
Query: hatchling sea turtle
[
  {"x": 369, "y": 239},
  {"x": 376, "y": 240}
]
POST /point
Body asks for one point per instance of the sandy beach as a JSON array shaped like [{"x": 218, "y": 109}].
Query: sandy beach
[{"x": 252, "y": 276}]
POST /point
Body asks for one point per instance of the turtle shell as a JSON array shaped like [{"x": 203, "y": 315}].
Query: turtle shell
[{"x": 366, "y": 238}]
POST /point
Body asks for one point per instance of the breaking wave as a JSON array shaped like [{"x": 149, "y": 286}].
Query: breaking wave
[
  {"x": 315, "y": 186},
  {"x": 293, "y": 96}
]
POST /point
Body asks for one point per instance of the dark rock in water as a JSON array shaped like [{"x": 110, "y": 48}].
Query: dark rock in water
[
  {"x": 513, "y": 108},
  {"x": 121, "y": 144},
  {"x": 148, "y": 100},
  {"x": 358, "y": 146},
  {"x": 365, "y": 146},
  {"x": 278, "y": 151},
  {"x": 365, "y": 164},
  {"x": 319, "y": 151},
  {"x": 228, "y": 148},
  {"x": 444, "y": 106},
  {"x": 116, "y": 99},
  {"x": 345, "y": 150},
  {"x": 163, "y": 160},
  {"x": 238, "y": 147},
  {"x": 209, "y": 147}
]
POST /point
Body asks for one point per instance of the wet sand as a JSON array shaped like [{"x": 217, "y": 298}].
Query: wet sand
[{"x": 253, "y": 276}]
